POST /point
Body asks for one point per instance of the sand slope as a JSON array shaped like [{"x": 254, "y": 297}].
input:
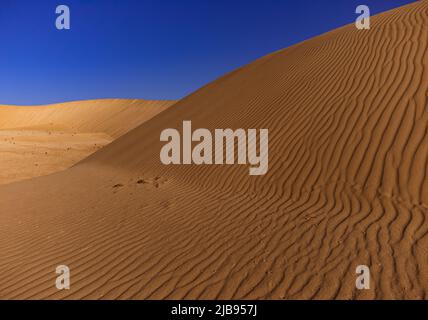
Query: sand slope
[
  {"x": 111, "y": 116},
  {"x": 346, "y": 186},
  {"x": 36, "y": 141}
]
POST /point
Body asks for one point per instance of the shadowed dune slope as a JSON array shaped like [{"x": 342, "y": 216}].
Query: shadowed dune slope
[
  {"x": 348, "y": 150},
  {"x": 111, "y": 116}
]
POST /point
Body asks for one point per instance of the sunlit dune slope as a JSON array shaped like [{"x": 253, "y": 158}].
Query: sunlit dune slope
[
  {"x": 111, "y": 116},
  {"x": 39, "y": 140},
  {"x": 348, "y": 152}
]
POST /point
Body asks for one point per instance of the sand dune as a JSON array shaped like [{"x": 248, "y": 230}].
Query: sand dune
[
  {"x": 36, "y": 141},
  {"x": 346, "y": 186},
  {"x": 111, "y": 116}
]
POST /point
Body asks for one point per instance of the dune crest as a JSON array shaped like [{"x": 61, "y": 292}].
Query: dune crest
[
  {"x": 346, "y": 186},
  {"x": 111, "y": 116}
]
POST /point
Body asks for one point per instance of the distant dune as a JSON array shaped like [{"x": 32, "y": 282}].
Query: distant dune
[
  {"x": 36, "y": 141},
  {"x": 347, "y": 185},
  {"x": 110, "y": 116}
]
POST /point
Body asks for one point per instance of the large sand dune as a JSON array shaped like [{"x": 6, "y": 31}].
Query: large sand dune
[
  {"x": 36, "y": 141},
  {"x": 348, "y": 152}
]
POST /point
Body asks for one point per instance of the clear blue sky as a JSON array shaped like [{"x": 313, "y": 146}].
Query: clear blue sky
[{"x": 158, "y": 49}]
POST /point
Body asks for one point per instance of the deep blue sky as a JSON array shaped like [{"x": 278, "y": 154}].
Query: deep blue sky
[{"x": 158, "y": 49}]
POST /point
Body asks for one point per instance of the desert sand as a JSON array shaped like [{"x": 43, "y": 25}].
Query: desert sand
[
  {"x": 347, "y": 186},
  {"x": 36, "y": 141}
]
